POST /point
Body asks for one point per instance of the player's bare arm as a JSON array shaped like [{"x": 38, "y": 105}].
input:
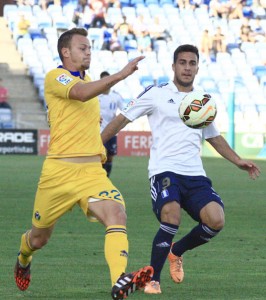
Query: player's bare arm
[
  {"x": 86, "y": 91},
  {"x": 114, "y": 127},
  {"x": 223, "y": 148}
]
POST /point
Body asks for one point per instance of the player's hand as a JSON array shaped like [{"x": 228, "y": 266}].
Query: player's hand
[
  {"x": 252, "y": 169},
  {"x": 131, "y": 67}
]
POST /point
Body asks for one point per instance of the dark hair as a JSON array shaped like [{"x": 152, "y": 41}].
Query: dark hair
[
  {"x": 186, "y": 48},
  {"x": 66, "y": 37},
  {"x": 104, "y": 74}
]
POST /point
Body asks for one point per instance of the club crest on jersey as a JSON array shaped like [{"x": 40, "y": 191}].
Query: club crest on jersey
[
  {"x": 37, "y": 216},
  {"x": 164, "y": 194},
  {"x": 64, "y": 79}
]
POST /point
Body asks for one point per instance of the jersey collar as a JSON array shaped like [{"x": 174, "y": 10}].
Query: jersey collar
[
  {"x": 73, "y": 73},
  {"x": 173, "y": 87}
]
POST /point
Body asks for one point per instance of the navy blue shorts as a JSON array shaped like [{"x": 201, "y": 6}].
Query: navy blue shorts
[
  {"x": 111, "y": 146},
  {"x": 191, "y": 192}
]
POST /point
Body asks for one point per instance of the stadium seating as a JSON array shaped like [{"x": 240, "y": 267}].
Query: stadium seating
[
  {"x": 137, "y": 3},
  {"x": 243, "y": 64},
  {"x": 259, "y": 71},
  {"x": 162, "y": 79},
  {"x": 96, "y": 37},
  {"x": 130, "y": 13},
  {"x": 146, "y": 80},
  {"x": 6, "y": 119}
]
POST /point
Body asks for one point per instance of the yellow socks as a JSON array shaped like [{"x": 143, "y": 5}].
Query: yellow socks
[
  {"x": 25, "y": 251},
  {"x": 116, "y": 250}
]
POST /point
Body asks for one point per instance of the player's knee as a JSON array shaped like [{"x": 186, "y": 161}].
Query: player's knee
[
  {"x": 114, "y": 214},
  {"x": 39, "y": 242},
  {"x": 213, "y": 216},
  {"x": 219, "y": 225},
  {"x": 216, "y": 223},
  {"x": 171, "y": 213}
]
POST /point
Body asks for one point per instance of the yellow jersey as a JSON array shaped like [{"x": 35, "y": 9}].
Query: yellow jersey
[{"x": 74, "y": 125}]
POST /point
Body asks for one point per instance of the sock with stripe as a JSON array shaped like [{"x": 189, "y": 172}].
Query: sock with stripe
[
  {"x": 161, "y": 246},
  {"x": 116, "y": 250},
  {"x": 199, "y": 235},
  {"x": 25, "y": 251}
]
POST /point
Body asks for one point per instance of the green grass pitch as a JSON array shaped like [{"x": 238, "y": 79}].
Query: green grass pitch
[{"x": 72, "y": 266}]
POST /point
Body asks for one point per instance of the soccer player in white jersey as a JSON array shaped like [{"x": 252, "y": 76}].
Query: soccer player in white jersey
[
  {"x": 177, "y": 176},
  {"x": 110, "y": 102}
]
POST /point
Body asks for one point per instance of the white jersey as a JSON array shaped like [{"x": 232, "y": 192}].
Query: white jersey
[
  {"x": 109, "y": 103},
  {"x": 175, "y": 147}
]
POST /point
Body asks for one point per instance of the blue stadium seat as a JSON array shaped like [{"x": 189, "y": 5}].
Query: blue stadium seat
[
  {"x": 259, "y": 71},
  {"x": 162, "y": 79},
  {"x": 114, "y": 15},
  {"x": 208, "y": 84},
  {"x": 166, "y": 2},
  {"x": 55, "y": 10},
  {"x": 36, "y": 71},
  {"x": 24, "y": 44},
  {"x": 131, "y": 45},
  {"x": 105, "y": 57},
  {"x": 44, "y": 21},
  {"x": 152, "y": 2},
  {"x": 8, "y": 125},
  {"x": 137, "y": 3},
  {"x": 96, "y": 37},
  {"x": 61, "y": 22},
  {"x": 129, "y": 12},
  {"x": 25, "y": 9},
  {"x": 39, "y": 42},
  {"x": 6, "y": 119},
  {"x": 41, "y": 96},
  {"x": 263, "y": 84},
  {"x": 9, "y": 8},
  {"x": 160, "y": 45},
  {"x": 38, "y": 81},
  {"x": 125, "y": 3},
  {"x": 144, "y": 11},
  {"x": 36, "y": 33},
  {"x": 68, "y": 10},
  {"x": 69, "y": 2},
  {"x": 120, "y": 57},
  {"x": 36, "y": 9},
  {"x": 146, "y": 81}
]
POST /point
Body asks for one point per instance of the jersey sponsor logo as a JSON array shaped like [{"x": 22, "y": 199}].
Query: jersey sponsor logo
[{"x": 64, "y": 79}]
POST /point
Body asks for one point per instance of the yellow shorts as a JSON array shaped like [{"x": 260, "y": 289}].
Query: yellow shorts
[{"x": 64, "y": 184}]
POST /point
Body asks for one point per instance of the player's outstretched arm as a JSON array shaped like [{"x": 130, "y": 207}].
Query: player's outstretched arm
[
  {"x": 114, "y": 127},
  {"x": 84, "y": 91},
  {"x": 223, "y": 148}
]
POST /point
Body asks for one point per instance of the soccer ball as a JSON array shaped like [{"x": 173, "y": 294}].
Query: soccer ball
[{"x": 197, "y": 110}]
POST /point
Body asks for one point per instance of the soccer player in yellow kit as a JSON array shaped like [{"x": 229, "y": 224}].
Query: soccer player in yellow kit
[{"x": 72, "y": 172}]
